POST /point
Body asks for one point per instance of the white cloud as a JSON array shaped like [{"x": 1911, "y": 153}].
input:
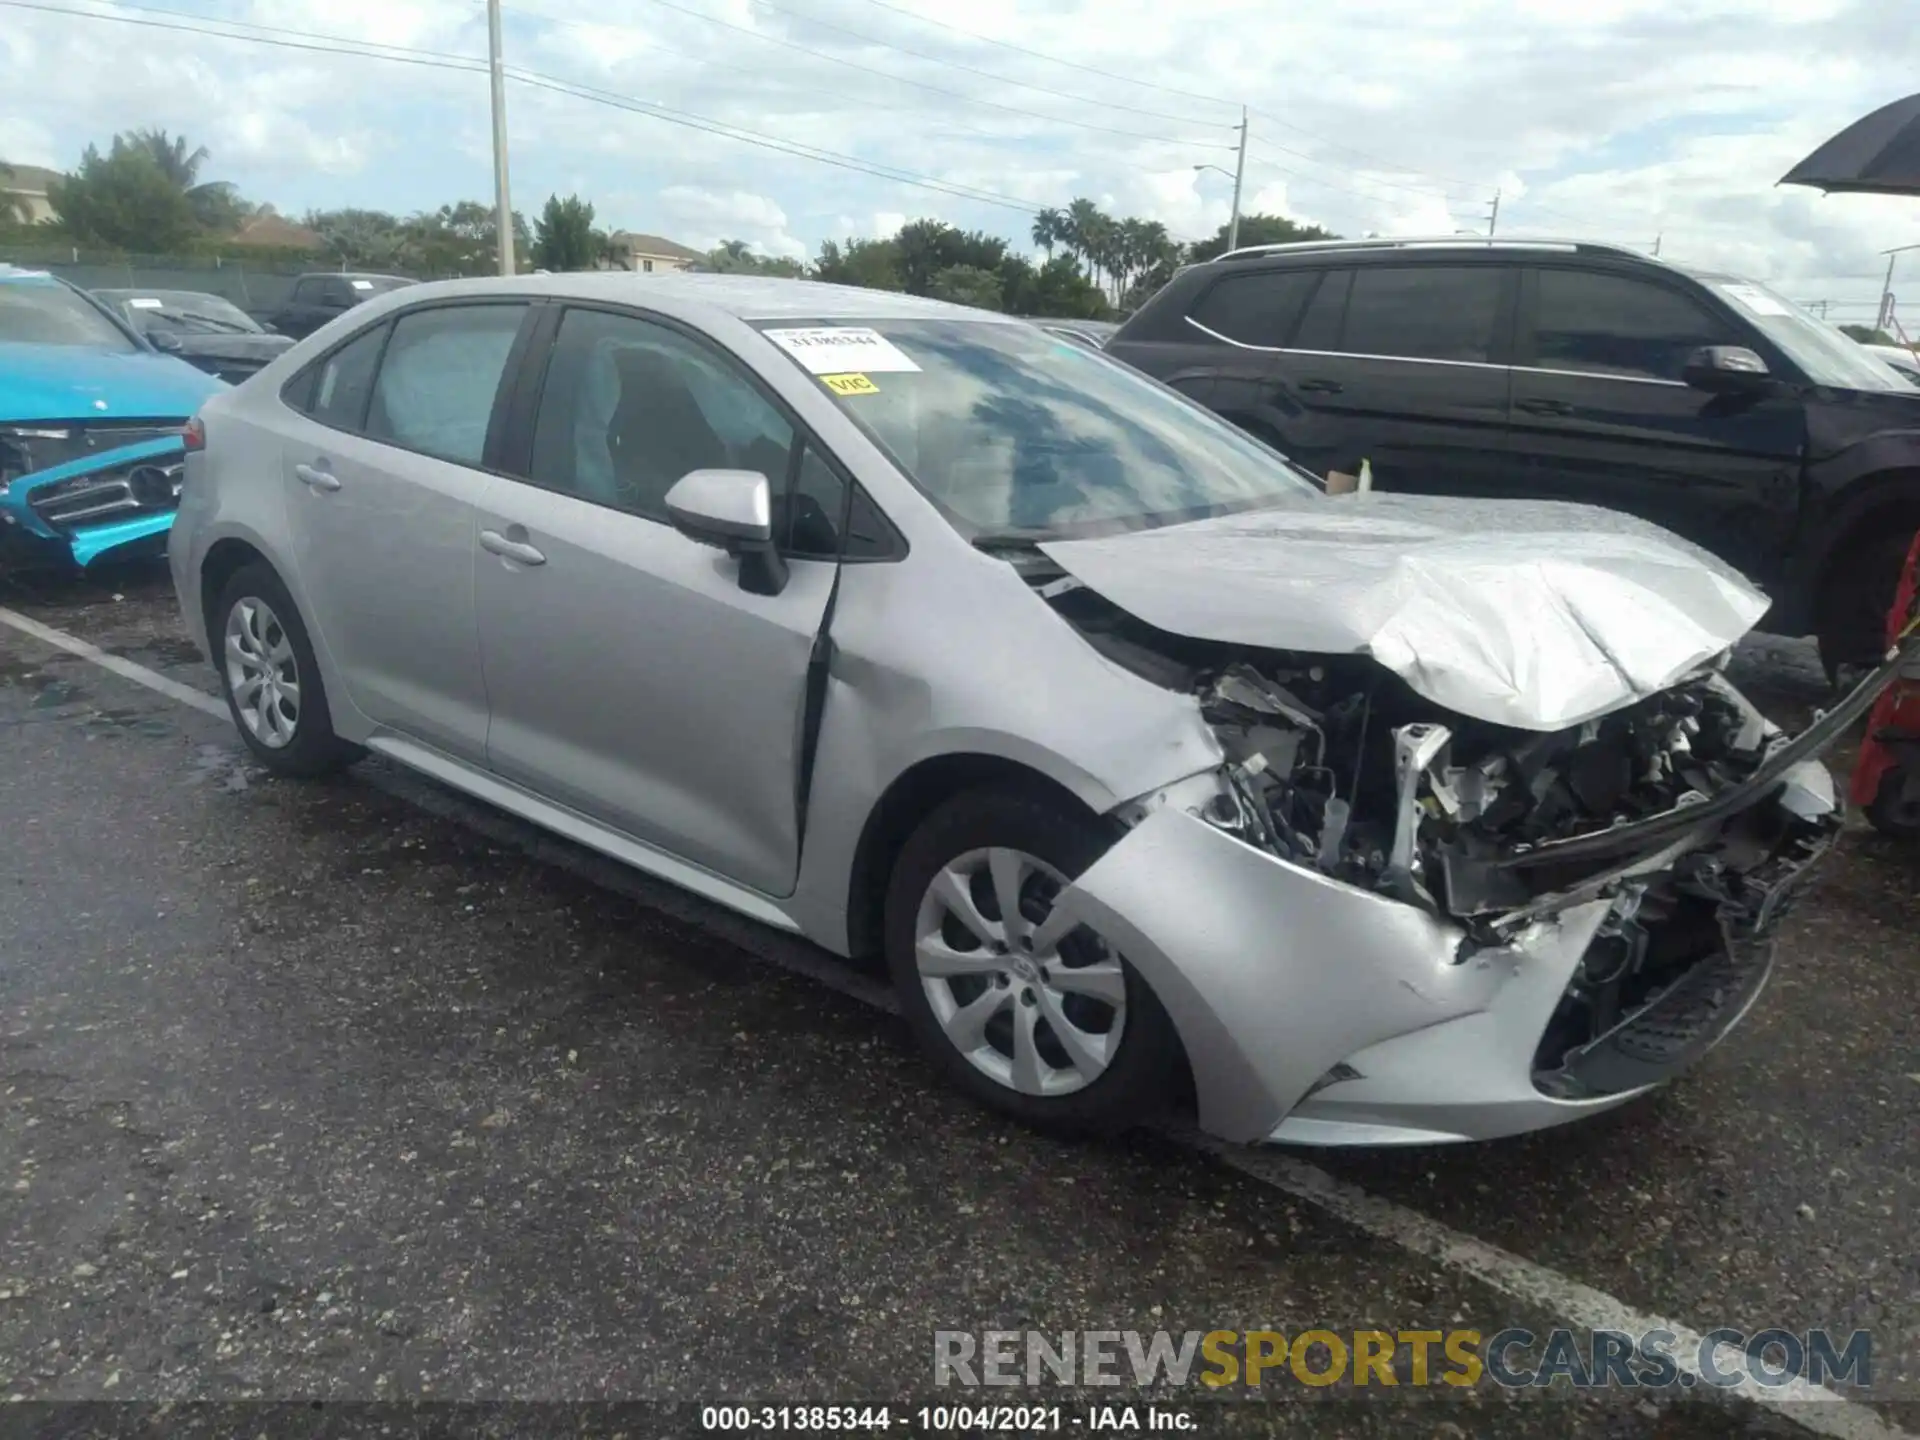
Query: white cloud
[{"x": 1616, "y": 119}]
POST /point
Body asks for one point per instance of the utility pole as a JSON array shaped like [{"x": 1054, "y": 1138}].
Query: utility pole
[
  {"x": 1656, "y": 244},
  {"x": 1493, "y": 220},
  {"x": 1239, "y": 176},
  {"x": 502, "y": 202},
  {"x": 1886, "y": 289}
]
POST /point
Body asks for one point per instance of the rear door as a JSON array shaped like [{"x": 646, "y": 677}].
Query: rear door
[
  {"x": 1602, "y": 416},
  {"x": 383, "y": 474},
  {"x": 1405, "y": 366}
]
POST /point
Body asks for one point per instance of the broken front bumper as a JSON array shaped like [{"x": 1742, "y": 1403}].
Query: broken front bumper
[
  {"x": 115, "y": 505},
  {"x": 1318, "y": 1013}
]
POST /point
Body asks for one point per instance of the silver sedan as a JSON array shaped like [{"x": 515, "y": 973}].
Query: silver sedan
[{"x": 1148, "y": 766}]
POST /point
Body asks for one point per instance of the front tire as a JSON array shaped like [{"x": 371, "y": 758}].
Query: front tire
[
  {"x": 271, "y": 679},
  {"x": 1032, "y": 1016}
]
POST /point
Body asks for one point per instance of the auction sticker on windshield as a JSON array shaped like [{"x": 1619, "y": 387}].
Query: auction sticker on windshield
[
  {"x": 849, "y": 384},
  {"x": 145, "y": 303},
  {"x": 842, "y": 350}
]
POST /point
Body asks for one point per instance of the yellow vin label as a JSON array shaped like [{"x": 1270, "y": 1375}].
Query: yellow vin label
[{"x": 849, "y": 384}]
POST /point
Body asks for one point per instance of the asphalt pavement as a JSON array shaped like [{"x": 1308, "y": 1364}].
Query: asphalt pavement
[{"x": 359, "y": 1091}]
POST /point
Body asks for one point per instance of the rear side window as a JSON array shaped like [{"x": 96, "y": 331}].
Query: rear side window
[
  {"x": 1326, "y": 313},
  {"x": 306, "y": 291},
  {"x": 342, "y": 382},
  {"x": 1612, "y": 325},
  {"x": 439, "y": 377},
  {"x": 1424, "y": 312},
  {"x": 1256, "y": 309}
]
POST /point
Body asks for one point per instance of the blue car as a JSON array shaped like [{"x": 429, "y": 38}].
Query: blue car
[{"x": 91, "y": 417}]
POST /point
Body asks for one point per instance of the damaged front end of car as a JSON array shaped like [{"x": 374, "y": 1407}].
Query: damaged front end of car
[
  {"x": 1385, "y": 921},
  {"x": 74, "y": 493}
]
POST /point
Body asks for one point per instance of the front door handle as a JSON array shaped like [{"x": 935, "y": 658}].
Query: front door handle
[
  {"x": 1544, "y": 407},
  {"x": 1322, "y": 387},
  {"x": 518, "y": 551},
  {"x": 316, "y": 477}
]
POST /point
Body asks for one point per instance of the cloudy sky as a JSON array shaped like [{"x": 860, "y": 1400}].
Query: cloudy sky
[{"x": 1620, "y": 120}]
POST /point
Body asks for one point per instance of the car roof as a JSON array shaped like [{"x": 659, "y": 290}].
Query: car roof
[{"x": 745, "y": 297}]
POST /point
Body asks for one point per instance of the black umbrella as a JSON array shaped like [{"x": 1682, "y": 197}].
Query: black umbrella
[{"x": 1879, "y": 155}]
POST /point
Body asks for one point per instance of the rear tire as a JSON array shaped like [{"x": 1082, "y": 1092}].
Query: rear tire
[
  {"x": 1056, "y": 1030},
  {"x": 270, "y": 677},
  {"x": 1854, "y": 605}
]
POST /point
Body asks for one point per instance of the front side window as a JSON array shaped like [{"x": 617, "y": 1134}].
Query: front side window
[
  {"x": 1258, "y": 309},
  {"x": 1613, "y": 325},
  {"x": 1016, "y": 433},
  {"x": 39, "y": 310},
  {"x": 439, "y": 378},
  {"x": 631, "y": 406},
  {"x": 1424, "y": 312}
]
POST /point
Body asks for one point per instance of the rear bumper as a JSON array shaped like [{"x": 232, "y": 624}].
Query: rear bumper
[{"x": 1313, "y": 1012}]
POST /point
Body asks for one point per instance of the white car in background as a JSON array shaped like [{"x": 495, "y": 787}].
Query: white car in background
[{"x": 1906, "y": 361}]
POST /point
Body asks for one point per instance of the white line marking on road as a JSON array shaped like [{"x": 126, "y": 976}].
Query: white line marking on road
[
  {"x": 125, "y": 669},
  {"x": 1812, "y": 1407}
]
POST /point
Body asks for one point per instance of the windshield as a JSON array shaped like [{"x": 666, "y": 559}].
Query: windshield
[
  {"x": 1018, "y": 433},
  {"x": 1827, "y": 356},
  {"x": 182, "y": 311},
  {"x": 39, "y": 310}
]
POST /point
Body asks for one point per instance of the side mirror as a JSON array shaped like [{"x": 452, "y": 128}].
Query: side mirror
[
  {"x": 1726, "y": 370},
  {"x": 164, "y": 340},
  {"x": 732, "y": 510}
]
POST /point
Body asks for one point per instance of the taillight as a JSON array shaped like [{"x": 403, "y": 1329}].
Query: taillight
[{"x": 194, "y": 435}]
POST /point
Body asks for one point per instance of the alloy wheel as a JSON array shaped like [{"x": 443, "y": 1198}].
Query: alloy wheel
[
  {"x": 1034, "y": 999},
  {"x": 262, "y": 673}
]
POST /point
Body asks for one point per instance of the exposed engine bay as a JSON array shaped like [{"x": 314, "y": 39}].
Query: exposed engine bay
[{"x": 1336, "y": 764}]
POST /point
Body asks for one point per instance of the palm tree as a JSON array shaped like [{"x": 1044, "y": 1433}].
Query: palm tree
[
  {"x": 1049, "y": 229},
  {"x": 178, "y": 163},
  {"x": 1082, "y": 231}
]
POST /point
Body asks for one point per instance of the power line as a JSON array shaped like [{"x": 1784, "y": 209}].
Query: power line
[
  {"x": 277, "y": 37},
  {"x": 1427, "y": 190},
  {"x": 867, "y": 39},
  {"x": 999, "y": 137},
  {"x": 1051, "y": 59},
  {"x": 917, "y": 84}
]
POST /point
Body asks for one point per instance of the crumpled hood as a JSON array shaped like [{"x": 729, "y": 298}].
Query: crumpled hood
[
  {"x": 1537, "y": 615},
  {"x": 74, "y": 382}
]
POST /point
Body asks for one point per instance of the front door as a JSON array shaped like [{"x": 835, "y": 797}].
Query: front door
[
  {"x": 631, "y": 678},
  {"x": 1601, "y": 416},
  {"x": 381, "y": 482}
]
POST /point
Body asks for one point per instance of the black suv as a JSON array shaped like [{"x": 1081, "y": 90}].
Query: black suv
[
  {"x": 316, "y": 299},
  {"x": 1569, "y": 371}
]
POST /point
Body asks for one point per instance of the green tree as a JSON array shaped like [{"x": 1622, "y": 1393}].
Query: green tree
[
  {"x": 1049, "y": 229},
  {"x": 458, "y": 240},
  {"x": 967, "y": 285},
  {"x": 1258, "y": 230},
  {"x": 736, "y": 257},
  {"x": 563, "y": 236},
  {"x": 870, "y": 264},
  {"x": 123, "y": 198},
  {"x": 1061, "y": 289},
  {"x": 360, "y": 239},
  {"x": 216, "y": 204}
]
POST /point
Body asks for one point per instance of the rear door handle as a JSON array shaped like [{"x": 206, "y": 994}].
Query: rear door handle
[
  {"x": 519, "y": 551},
  {"x": 1544, "y": 407},
  {"x": 1322, "y": 387},
  {"x": 316, "y": 477}
]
